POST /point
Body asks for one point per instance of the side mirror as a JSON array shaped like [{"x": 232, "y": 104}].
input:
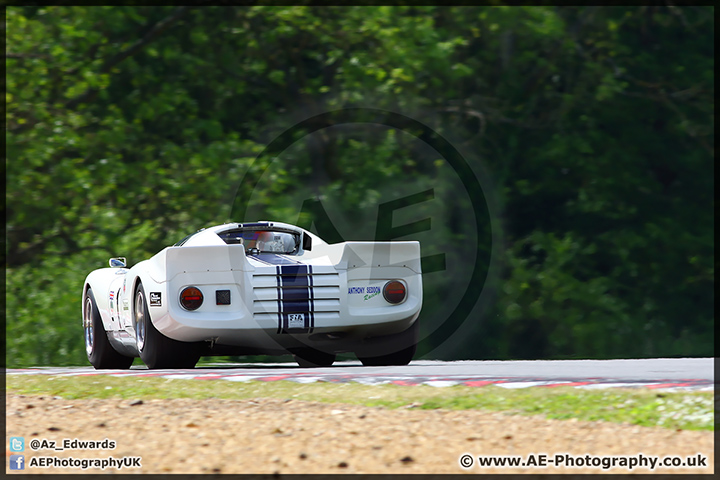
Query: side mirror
[
  {"x": 307, "y": 242},
  {"x": 118, "y": 262}
]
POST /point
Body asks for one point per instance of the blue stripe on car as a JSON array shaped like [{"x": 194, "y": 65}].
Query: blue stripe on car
[
  {"x": 274, "y": 259},
  {"x": 295, "y": 296}
]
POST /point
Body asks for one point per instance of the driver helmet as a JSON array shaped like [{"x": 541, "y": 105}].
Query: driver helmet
[{"x": 263, "y": 240}]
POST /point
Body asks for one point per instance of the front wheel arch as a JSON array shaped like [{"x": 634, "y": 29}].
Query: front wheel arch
[
  {"x": 136, "y": 282},
  {"x": 98, "y": 348}
]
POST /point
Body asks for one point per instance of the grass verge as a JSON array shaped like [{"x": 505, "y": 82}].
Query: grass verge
[{"x": 677, "y": 410}]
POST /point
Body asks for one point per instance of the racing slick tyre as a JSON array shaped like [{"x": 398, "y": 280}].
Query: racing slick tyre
[
  {"x": 157, "y": 350},
  {"x": 97, "y": 346},
  {"x": 381, "y": 353},
  {"x": 310, "y": 358},
  {"x": 402, "y": 357}
]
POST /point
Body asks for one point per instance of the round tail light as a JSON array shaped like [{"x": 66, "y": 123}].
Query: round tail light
[
  {"x": 394, "y": 291},
  {"x": 191, "y": 298}
]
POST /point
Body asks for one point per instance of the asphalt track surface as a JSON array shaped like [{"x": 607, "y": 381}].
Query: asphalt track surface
[{"x": 659, "y": 373}]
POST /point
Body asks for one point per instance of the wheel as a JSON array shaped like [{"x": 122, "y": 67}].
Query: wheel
[
  {"x": 381, "y": 352},
  {"x": 97, "y": 346},
  {"x": 310, "y": 358},
  {"x": 157, "y": 350},
  {"x": 402, "y": 357}
]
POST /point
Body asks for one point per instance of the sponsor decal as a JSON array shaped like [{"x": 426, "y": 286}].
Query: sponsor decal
[
  {"x": 368, "y": 292},
  {"x": 155, "y": 299},
  {"x": 296, "y": 320},
  {"x": 375, "y": 293}
]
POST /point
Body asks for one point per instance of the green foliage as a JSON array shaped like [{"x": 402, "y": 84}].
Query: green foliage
[
  {"x": 129, "y": 127},
  {"x": 43, "y": 301}
]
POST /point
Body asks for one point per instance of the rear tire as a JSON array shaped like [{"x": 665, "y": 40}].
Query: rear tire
[
  {"x": 381, "y": 352},
  {"x": 157, "y": 350},
  {"x": 99, "y": 351},
  {"x": 311, "y": 358},
  {"x": 403, "y": 357}
]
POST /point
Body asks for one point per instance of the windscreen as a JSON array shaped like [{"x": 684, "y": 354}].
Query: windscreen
[{"x": 270, "y": 241}]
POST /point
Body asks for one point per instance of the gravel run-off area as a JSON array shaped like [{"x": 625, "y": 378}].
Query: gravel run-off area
[{"x": 292, "y": 436}]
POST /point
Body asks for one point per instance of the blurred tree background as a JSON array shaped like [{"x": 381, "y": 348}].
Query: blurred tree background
[{"x": 128, "y": 127}]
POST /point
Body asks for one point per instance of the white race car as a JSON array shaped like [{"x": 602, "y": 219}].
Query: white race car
[{"x": 256, "y": 288}]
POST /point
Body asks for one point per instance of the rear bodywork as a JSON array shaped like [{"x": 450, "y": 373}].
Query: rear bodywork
[{"x": 328, "y": 297}]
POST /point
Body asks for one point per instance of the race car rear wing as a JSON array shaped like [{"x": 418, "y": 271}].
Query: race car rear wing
[
  {"x": 349, "y": 255},
  {"x": 232, "y": 258}
]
